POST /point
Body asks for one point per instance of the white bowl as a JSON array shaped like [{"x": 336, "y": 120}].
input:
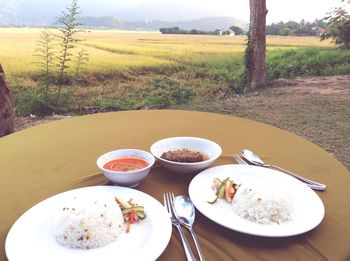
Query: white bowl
[
  {"x": 208, "y": 147},
  {"x": 126, "y": 178}
]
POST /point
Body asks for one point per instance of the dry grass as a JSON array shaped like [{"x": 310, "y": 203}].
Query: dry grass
[{"x": 316, "y": 108}]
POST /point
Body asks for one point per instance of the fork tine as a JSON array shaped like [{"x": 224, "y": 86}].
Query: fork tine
[
  {"x": 164, "y": 202},
  {"x": 239, "y": 160},
  {"x": 235, "y": 158},
  {"x": 172, "y": 198},
  {"x": 169, "y": 204}
]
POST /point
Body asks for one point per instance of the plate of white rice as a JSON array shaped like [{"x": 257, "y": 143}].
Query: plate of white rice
[
  {"x": 267, "y": 203},
  {"x": 87, "y": 224}
]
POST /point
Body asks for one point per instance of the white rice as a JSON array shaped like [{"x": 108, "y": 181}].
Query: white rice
[
  {"x": 89, "y": 225},
  {"x": 264, "y": 204}
]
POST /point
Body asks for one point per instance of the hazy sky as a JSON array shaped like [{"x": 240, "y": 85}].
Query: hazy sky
[
  {"x": 172, "y": 10},
  {"x": 279, "y": 10}
]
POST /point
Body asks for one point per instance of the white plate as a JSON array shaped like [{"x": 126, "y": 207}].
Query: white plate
[
  {"x": 308, "y": 207},
  {"x": 32, "y": 236}
]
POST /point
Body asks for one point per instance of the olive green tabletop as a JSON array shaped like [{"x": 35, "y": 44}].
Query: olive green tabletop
[{"x": 42, "y": 161}]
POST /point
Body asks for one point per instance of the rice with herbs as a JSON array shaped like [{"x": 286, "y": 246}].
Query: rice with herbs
[
  {"x": 90, "y": 225},
  {"x": 264, "y": 204}
]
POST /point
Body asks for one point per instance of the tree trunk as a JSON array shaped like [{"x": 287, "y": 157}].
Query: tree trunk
[
  {"x": 256, "y": 47},
  {"x": 6, "y": 107}
]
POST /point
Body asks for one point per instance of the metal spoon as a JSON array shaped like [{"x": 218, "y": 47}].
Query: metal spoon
[
  {"x": 185, "y": 213},
  {"x": 255, "y": 160}
]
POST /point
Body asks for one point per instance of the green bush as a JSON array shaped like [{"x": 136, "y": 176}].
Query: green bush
[
  {"x": 307, "y": 62},
  {"x": 35, "y": 101},
  {"x": 224, "y": 70},
  {"x": 165, "y": 92},
  {"x": 123, "y": 104}
]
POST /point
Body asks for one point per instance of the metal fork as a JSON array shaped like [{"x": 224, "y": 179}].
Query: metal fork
[
  {"x": 168, "y": 203},
  {"x": 239, "y": 160}
]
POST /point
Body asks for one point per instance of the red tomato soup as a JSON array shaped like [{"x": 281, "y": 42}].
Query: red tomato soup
[{"x": 126, "y": 164}]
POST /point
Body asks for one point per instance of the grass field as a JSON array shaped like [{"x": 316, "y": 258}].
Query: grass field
[
  {"x": 124, "y": 62},
  {"x": 120, "y": 50}
]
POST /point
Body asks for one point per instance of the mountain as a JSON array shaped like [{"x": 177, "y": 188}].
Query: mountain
[
  {"x": 41, "y": 12},
  {"x": 112, "y": 22},
  {"x": 119, "y": 14},
  {"x": 203, "y": 24}
]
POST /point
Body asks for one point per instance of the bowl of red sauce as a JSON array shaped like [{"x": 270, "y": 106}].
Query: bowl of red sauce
[{"x": 126, "y": 167}]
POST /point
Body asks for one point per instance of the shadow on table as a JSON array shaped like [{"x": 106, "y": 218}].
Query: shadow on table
[{"x": 303, "y": 241}]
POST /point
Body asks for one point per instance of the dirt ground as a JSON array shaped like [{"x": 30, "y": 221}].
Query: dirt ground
[{"x": 316, "y": 108}]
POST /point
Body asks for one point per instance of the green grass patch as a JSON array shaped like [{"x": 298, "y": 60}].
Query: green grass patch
[
  {"x": 163, "y": 92},
  {"x": 39, "y": 102},
  {"x": 307, "y": 62}
]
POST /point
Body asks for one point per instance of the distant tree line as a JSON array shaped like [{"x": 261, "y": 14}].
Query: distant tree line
[
  {"x": 177, "y": 30},
  {"x": 302, "y": 28},
  {"x": 237, "y": 30}
]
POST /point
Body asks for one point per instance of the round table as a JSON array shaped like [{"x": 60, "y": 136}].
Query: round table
[{"x": 40, "y": 162}]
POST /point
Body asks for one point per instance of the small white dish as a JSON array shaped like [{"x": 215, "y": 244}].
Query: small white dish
[
  {"x": 211, "y": 149},
  {"x": 126, "y": 178}
]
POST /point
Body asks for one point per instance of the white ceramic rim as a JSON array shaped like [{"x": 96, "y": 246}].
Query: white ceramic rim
[
  {"x": 127, "y": 172},
  {"x": 186, "y": 163}
]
